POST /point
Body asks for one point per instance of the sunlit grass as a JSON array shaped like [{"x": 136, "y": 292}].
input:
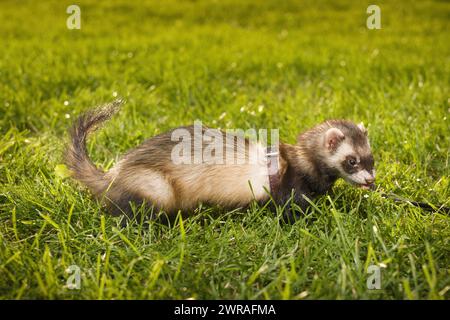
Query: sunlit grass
[{"x": 236, "y": 64}]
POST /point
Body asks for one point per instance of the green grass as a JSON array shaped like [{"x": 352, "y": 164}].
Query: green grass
[{"x": 177, "y": 61}]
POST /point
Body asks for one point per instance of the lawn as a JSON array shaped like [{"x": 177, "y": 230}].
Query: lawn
[{"x": 232, "y": 64}]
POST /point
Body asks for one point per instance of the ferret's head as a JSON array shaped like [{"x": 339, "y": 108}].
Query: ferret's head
[{"x": 347, "y": 150}]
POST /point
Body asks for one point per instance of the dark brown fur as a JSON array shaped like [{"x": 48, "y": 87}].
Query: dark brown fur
[{"x": 307, "y": 175}]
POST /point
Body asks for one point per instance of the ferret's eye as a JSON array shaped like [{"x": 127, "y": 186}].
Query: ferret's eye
[{"x": 352, "y": 162}]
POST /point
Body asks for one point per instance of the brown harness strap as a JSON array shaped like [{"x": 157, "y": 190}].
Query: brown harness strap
[{"x": 272, "y": 166}]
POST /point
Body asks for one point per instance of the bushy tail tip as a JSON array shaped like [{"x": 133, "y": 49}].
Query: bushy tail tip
[{"x": 76, "y": 157}]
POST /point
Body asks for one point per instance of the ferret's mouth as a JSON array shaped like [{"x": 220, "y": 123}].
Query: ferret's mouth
[
  {"x": 358, "y": 184},
  {"x": 366, "y": 186}
]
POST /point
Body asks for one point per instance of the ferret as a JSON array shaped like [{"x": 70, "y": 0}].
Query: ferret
[{"x": 148, "y": 174}]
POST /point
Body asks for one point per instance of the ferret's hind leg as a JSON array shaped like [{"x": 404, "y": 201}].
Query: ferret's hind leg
[
  {"x": 137, "y": 192},
  {"x": 130, "y": 206}
]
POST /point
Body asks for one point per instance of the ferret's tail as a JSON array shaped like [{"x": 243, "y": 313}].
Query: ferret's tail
[{"x": 76, "y": 157}]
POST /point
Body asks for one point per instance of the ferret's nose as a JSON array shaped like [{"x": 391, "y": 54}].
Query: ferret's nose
[{"x": 370, "y": 180}]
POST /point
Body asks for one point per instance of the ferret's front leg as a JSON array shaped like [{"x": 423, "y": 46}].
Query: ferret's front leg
[{"x": 290, "y": 214}]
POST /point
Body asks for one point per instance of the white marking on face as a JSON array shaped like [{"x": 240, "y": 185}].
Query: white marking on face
[
  {"x": 341, "y": 154},
  {"x": 335, "y": 160},
  {"x": 359, "y": 177}
]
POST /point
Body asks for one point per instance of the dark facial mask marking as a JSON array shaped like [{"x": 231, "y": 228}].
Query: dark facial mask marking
[{"x": 348, "y": 168}]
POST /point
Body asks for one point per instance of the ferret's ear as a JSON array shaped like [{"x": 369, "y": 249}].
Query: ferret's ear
[
  {"x": 333, "y": 138},
  {"x": 362, "y": 128}
]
